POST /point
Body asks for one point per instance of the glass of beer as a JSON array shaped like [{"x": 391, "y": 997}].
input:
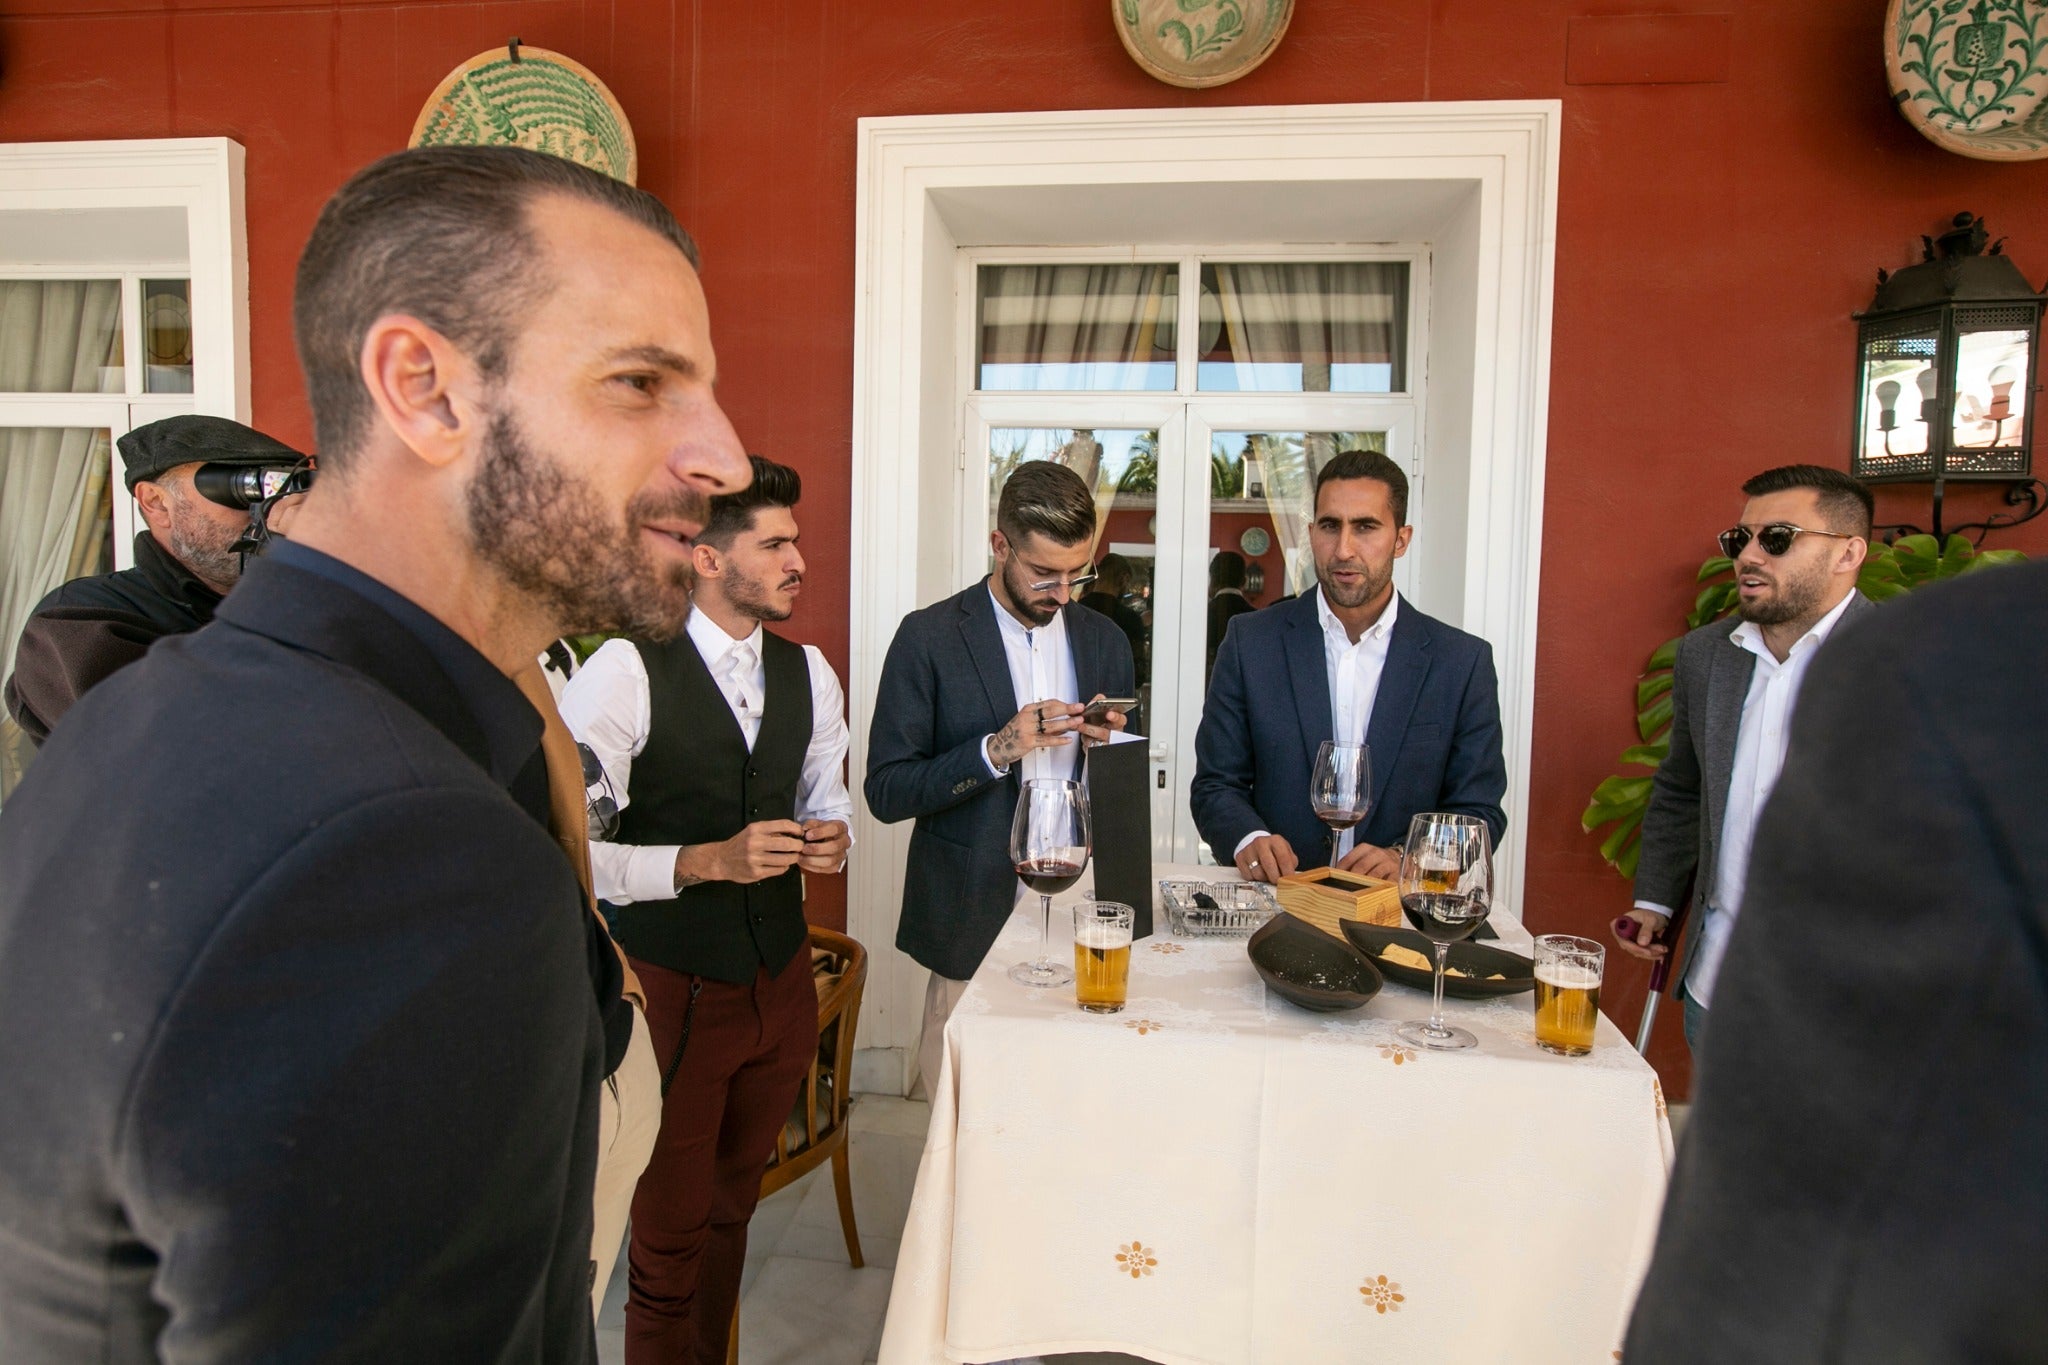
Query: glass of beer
[
  {"x": 1102, "y": 955},
  {"x": 1568, "y": 974}
]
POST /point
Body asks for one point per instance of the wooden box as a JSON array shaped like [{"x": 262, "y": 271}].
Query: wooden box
[{"x": 1323, "y": 896}]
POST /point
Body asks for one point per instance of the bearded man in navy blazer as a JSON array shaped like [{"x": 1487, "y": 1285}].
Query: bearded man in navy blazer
[{"x": 1351, "y": 661}]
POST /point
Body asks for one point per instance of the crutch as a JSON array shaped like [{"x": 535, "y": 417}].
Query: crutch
[{"x": 1660, "y": 971}]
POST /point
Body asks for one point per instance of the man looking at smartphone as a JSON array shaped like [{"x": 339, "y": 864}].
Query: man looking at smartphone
[
  {"x": 725, "y": 749},
  {"x": 1797, "y": 553},
  {"x": 979, "y": 693}
]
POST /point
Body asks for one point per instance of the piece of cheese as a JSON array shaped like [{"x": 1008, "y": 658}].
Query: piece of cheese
[{"x": 1403, "y": 956}]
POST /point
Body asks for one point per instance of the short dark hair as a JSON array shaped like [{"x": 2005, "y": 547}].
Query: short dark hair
[
  {"x": 1844, "y": 500},
  {"x": 1226, "y": 570},
  {"x": 1049, "y": 498},
  {"x": 1113, "y": 575},
  {"x": 1367, "y": 464},
  {"x": 440, "y": 233},
  {"x": 732, "y": 514}
]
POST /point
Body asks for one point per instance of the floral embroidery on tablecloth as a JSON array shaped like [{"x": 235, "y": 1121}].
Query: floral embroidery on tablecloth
[
  {"x": 1382, "y": 1295},
  {"x": 1397, "y": 1054},
  {"x": 1144, "y": 1026},
  {"x": 1168, "y": 948},
  {"x": 1657, "y": 1089},
  {"x": 1135, "y": 1259}
]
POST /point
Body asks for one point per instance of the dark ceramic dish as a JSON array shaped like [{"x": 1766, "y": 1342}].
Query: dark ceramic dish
[
  {"x": 1474, "y": 958},
  {"x": 1306, "y": 966}
]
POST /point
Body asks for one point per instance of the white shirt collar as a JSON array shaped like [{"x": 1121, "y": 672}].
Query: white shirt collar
[
  {"x": 1378, "y": 630},
  {"x": 1751, "y": 636},
  {"x": 1016, "y": 629},
  {"x": 714, "y": 644}
]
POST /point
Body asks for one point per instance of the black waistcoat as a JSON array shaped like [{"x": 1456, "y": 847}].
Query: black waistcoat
[{"x": 695, "y": 783}]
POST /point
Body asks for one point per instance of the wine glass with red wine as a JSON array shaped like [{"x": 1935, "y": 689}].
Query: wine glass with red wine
[
  {"x": 1340, "y": 788},
  {"x": 1446, "y": 882},
  {"x": 1049, "y": 849}
]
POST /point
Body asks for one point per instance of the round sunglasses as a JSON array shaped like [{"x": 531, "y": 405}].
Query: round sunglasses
[{"x": 1775, "y": 538}]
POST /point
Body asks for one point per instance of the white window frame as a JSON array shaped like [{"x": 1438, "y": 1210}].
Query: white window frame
[{"x": 202, "y": 176}]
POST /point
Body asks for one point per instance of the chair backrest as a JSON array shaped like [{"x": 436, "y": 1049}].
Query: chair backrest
[{"x": 840, "y": 967}]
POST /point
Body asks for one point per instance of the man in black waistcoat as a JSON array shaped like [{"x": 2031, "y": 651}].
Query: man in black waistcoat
[
  {"x": 726, "y": 749},
  {"x": 299, "y": 1050},
  {"x": 184, "y": 564}
]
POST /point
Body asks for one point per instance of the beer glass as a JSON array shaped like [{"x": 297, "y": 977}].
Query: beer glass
[
  {"x": 1568, "y": 972},
  {"x": 1102, "y": 955},
  {"x": 1340, "y": 788},
  {"x": 1049, "y": 849},
  {"x": 1446, "y": 882}
]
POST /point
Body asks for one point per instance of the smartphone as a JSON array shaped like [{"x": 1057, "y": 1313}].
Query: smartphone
[{"x": 1099, "y": 710}]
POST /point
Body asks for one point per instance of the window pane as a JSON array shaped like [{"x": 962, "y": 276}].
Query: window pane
[
  {"x": 61, "y": 336},
  {"x": 167, "y": 336},
  {"x": 1077, "y": 327},
  {"x": 1304, "y": 327},
  {"x": 1261, "y": 500}
]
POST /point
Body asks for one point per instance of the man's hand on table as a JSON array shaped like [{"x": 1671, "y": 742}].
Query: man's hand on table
[
  {"x": 1267, "y": 858},
  {"x": 764, "y": 849},
  {"x": 825, "y": 845},
  {"x": 1646, "y": 940},
  {"x": 1367, "y": 861}
]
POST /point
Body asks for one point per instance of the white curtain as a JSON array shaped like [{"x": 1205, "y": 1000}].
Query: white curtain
[
  {"x": 1316, "y": 315},
  {"x": 56, "y": 336},
  {"x": 1095, "y": 327}
]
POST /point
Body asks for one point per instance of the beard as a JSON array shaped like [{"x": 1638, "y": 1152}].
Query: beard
[
  {"x": 1790, "y": 600},
  {"x": 204, "y": 548},
  {"x": 548, "y": 533},
  {"x": 751, "y": 597},
  {"x": 1038, "y": 610},
  {"x": 1375, "y": 579}
]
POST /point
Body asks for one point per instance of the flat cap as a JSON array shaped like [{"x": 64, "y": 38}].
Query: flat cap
[{"x": 193, "y": 439}]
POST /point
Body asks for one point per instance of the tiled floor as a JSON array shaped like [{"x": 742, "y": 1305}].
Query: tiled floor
[{"x": 800, "y": 1302}]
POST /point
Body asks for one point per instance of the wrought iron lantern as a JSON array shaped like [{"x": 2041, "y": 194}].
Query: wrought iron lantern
[{"x": 1945, "y": 367}]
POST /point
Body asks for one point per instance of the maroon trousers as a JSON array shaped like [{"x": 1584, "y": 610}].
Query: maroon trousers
[{"x": 741, "y": 1070}]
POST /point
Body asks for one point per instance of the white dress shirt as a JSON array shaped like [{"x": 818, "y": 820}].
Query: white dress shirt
[
  {"x": 1041, "y": 664},
  {"x": 1760, "y": 745},
  {"x": 1353, "y": 671},
  {"x": 606, "y": 707}
]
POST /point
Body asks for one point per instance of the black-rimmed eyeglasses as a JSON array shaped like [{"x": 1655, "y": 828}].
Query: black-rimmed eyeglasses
[{"x": 1775, "y": 538}]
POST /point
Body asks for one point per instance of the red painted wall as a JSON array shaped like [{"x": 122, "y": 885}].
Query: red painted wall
[{"x": 1712, "y": 240}]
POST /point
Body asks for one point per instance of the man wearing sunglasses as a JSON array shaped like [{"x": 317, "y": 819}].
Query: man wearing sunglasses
[
  {"x": 980, "y": 692},
  {"x": 1797, "y": 552}
]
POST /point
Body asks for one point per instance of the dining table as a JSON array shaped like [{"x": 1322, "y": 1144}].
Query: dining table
[{"x": 1215, "y": 1176}]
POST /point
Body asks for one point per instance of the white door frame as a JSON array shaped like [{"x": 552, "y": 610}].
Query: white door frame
[{"x": 1491, "y": 290}]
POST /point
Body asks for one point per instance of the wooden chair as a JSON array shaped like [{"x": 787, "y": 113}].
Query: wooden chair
[{"x": 816, "y": 1131}]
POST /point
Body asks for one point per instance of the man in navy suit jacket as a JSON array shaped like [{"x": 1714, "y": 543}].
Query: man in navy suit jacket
[{"x": 1351, "y": 660}]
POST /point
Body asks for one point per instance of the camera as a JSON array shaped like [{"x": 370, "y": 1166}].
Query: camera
[{"x": 254, "y": 489}]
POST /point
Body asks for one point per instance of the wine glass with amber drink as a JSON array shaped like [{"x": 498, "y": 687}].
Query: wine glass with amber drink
[
  {"x": 1446, "y": 883},
  {"x": 1049, "y": 849}
]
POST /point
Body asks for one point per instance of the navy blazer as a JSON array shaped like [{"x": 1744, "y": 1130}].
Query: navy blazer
[
  {"x": 945, "y": 687},
  {"x": 299, "y": 1056},
  {"x": 1434, "y": 732}
]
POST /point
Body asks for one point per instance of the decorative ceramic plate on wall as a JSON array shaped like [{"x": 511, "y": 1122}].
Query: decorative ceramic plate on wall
[
  {"x": 541, "y": 100},
  {"x": 1972, "y": 75},
  {"x": 1197, "y": 43}
]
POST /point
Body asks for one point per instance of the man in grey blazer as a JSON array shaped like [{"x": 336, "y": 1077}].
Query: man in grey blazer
[
  {"x": 1797, "y": 553},
  {"x": 979, "y": 692}
]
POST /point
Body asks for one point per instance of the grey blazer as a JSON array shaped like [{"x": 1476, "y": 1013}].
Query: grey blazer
[
  {"x": 1689, "y": 795},
  {"x": 946, "y": 685}
]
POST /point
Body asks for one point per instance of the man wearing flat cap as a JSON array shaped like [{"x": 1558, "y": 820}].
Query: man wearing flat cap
[{"x": 184, "y": 565}]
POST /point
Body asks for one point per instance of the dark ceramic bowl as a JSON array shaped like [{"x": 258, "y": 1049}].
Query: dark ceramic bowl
[
  {"x": 1306, "y": 966},
  {"x": 1476, "y": 959}
]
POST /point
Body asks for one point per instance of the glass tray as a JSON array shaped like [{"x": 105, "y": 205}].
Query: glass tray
[{"x": 1241, "y": 907}]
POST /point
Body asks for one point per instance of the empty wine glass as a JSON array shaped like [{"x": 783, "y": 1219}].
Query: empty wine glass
[
  {"x": 1340, "y": 788},
  {"x": 1049, "y": 849},
  {"x": 1446, "y": 882}
]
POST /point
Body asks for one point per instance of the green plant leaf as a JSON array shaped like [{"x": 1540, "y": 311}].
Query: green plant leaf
[
  {"x": 1653, "y": 719},
  {"x": 1665, "y": 656},
  {"x": 1987, "y": 558},
  {"x": 1626, "y": 863},
  {"x": 1715, "y": 567},
  {"x": 1622, "y": 833},
  {"x": 1649, "y": 689},
  {"x": 1622, "y": 791},
  {"x": 1650, "y": 755}
]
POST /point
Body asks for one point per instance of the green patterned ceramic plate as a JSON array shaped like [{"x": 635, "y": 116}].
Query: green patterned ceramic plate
[
  {"x": 1196, "y": 43},
  {"x": 1972, "y": 75},
  {"x": 543, "y": 101}
]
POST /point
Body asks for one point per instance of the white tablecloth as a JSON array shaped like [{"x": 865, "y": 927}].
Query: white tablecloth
[{"x": 1217, "y": 1177}]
